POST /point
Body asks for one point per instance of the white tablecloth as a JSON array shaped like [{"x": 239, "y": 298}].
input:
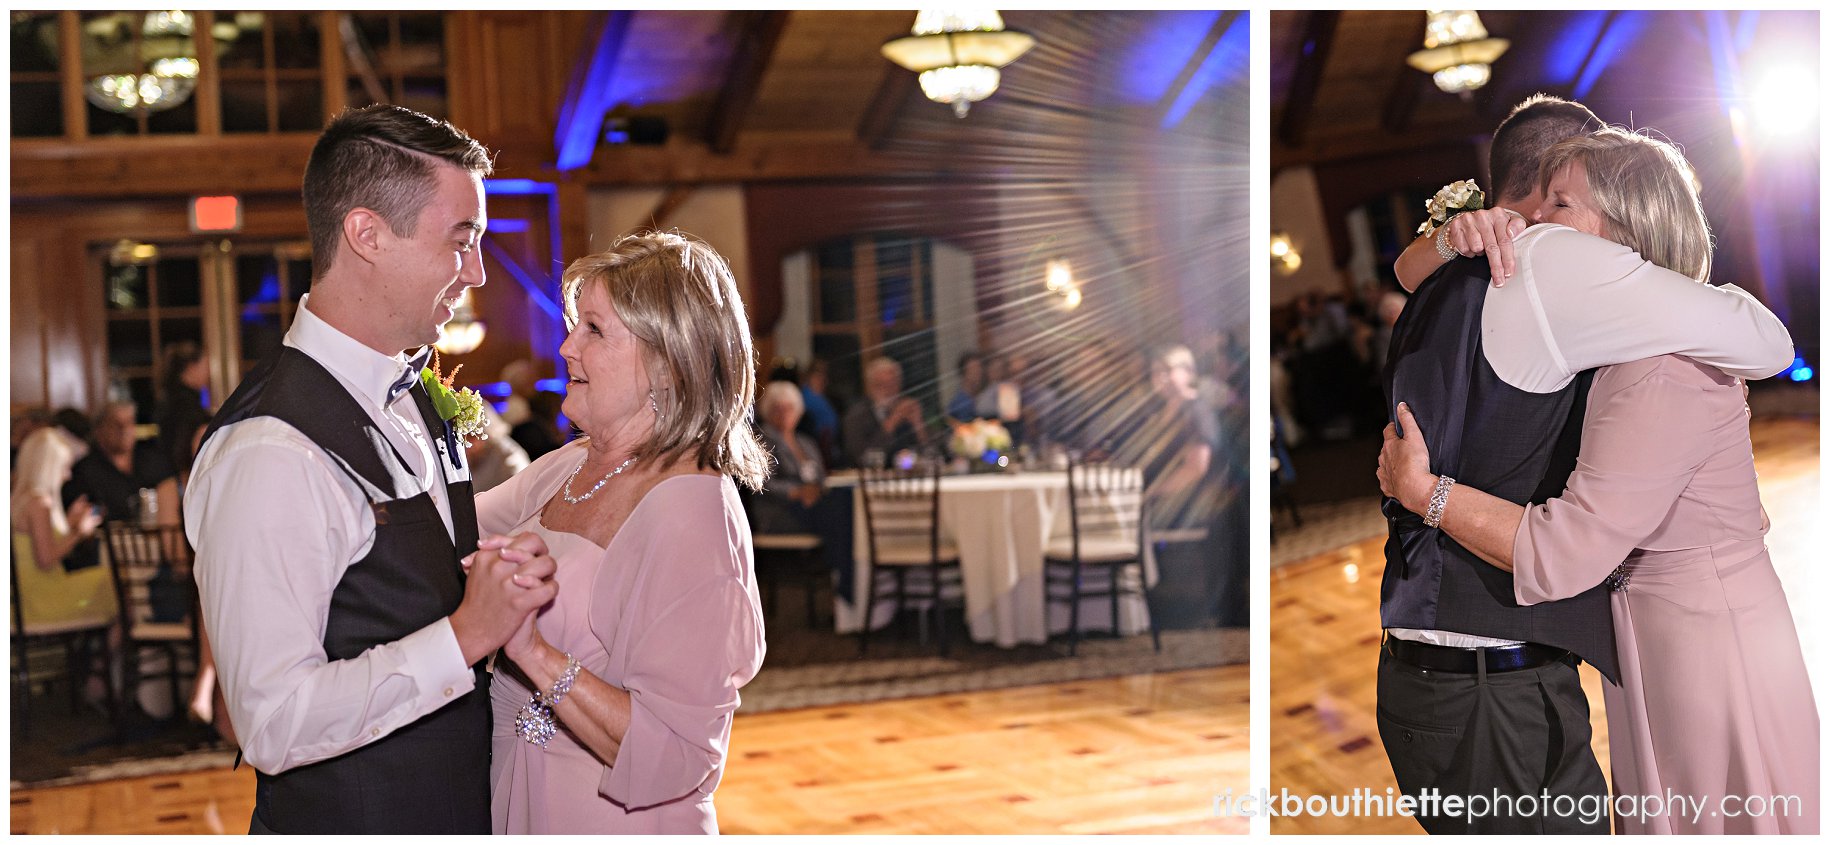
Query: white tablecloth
[{"x": 1001, "y": 523}]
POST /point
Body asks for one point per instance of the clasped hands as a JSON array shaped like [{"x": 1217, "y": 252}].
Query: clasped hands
[
  {"x": 1489, "y": 231},
  {"x": 906, "y": 410},
  {"x": 510, "y": 579}
]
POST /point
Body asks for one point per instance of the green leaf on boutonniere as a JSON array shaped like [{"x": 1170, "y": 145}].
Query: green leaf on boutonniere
[{"x": 443, "y": 400}]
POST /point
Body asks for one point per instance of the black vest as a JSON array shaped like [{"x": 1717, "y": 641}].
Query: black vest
[
  {"x": 1516, "y": 445},
  {"x": 431, "y": 776}
]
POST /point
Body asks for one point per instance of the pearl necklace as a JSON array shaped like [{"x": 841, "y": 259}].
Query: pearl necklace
[{"x": 573, "y": 500}]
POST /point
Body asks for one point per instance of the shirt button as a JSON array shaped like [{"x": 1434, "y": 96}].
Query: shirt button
[
  {"x": 374, "y": 732},
  {"x": 447, "y": 692}
]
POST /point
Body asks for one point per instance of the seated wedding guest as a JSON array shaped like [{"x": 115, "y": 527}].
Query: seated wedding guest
[
  {"x": 657, "y": 622},
  {"x": 119, "y": 466},
  {"x": 49, "y": 597},
  {"x": 496, "y": 457},
  {"x": 821, "y": 420},
  {"x": 1038, "y": 402},
  {"x": 996, "y": 376},
  {"x": 181, "y": 414},
  {"x": 799, "y": 477},
  {"x": 884, "y": 421},
  {"x": 964, "y": 404}
]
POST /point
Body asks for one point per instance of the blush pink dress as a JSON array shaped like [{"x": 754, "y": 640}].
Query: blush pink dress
[
  {"x": 669, "y": 613},
  {"x": 1714, "y": 700}
]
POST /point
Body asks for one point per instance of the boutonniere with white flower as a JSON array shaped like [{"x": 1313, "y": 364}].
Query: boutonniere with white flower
[
  {"x": 461, "y": 409},
  {"x": 1453, "y": 199}
]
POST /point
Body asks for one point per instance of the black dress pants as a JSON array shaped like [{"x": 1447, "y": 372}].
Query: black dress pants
[{"x": 1512, "y": 748}]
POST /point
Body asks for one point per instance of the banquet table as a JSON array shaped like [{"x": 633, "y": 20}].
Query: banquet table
[{"x": 1001, "y": 523}]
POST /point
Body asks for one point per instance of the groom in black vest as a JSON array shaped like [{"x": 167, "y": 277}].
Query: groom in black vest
[
  {"x": 1477, "y": 694},
  {"x": 331, "y": 511}
]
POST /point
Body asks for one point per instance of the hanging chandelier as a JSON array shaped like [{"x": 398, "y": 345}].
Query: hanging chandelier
[
  {"x": 1457, "y": 52},
  {"x": 463, "y": 333},
  {"x": 958, "y": 54},
  {"x": 140, "y": 65}
]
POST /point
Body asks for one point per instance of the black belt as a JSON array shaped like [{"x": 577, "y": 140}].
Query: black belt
[{"x": 1466, "y": 661}]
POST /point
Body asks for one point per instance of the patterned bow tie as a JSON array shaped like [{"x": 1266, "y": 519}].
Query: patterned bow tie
[{"x": 410, "y": 377}]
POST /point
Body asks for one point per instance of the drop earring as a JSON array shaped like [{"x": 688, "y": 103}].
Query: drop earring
[{"x": 658, "y": 416}]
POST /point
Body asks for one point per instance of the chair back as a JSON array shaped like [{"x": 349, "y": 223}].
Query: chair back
[
  {"x": 152, "y": 574},
  {"x": 1106, "y": 502},
  {"x": 901, "y": 509},
  {"x": 53, "y": 601}
]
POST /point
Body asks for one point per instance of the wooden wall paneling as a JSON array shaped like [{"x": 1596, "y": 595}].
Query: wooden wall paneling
[
  {"x": 153, "y": 167},
  {"x": 27, "y": 341},
  {"x": 209, "y": 92},
  {"x": 70, "y": 68},
  {"x": 333, "y": 63},
  {"x": 59, "y": 290},
  {"x": 507, "y": 89}
]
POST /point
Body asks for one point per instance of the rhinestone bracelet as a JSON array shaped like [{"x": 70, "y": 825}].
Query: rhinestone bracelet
[
  {"x": 1443, "y": 248},
  {"x": 1438, "y": 500},
  {"x": 536, "y": 722}
]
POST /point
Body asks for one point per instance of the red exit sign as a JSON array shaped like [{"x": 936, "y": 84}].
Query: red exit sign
[{"x": 216, "y": 214}]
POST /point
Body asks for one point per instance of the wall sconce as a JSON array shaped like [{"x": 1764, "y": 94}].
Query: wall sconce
[
  {"x": 1058, "y": 277},
  {"x": 464, "y": 332},
  {"x": 1284, "y": 256}
]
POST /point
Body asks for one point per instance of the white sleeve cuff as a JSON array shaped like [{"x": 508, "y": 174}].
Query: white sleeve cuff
[{"x": 436, "y": 664}]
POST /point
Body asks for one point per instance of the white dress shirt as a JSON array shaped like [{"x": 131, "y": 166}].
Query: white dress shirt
[
  {"x": 276, "y": 522},
  {"x": 1576, "y": 302}
]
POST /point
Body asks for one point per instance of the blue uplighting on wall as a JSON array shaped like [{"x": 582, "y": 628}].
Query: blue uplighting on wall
[
  {"x": 1152, "y": 63},
  {"x": 551, "y": 385},
  {"x": 517, "y": 187},
  {"x": 1799, "y": 371},
  {"x": 588, "y": 98},
  {"x": 1229, "y": 60},
  {"x": 1615, "y": 42},
  {"x": 1563, "y": 60},
  {"x": 1745, "y": 27},
  {"x": 507, "y": 225}
]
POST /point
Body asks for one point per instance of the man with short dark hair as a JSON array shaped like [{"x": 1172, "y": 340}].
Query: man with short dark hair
[
  {"x": 331, "y": 510},
  {"x": 1478, "y": 694}
]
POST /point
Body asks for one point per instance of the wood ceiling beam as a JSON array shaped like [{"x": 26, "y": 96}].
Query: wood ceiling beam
[
  {"x": 1313, "y": 49},
  {"x": 581, "y": 114},
  {"x": 670, "y": 202},
  {"x": 155, "y": 166},
  {"x": 893, "y": 95},
  {"x": 1187, "y": 75},
  {"x": 1338, "y": 149},
  {"x": 1401, "y": 100},
  {"x": 758, "y": 33},
  {"x": 757, "y": 157}
]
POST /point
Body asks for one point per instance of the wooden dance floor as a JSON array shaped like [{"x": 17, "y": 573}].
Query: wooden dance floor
[
  {"x": 1325, "y": 642},
  {"x": 1137, "y": 754}
]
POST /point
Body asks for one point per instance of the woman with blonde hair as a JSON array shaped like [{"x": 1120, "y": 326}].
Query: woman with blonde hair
[
  {"x": 1714, "y": 701},
  {"x": 51, "y": 599},
  {"x": 613, "y": 706}
]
